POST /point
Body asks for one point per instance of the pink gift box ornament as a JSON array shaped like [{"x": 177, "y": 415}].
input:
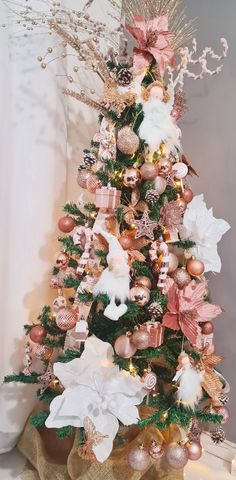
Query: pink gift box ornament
[
  {"x": 107, "y": 197},
  {"x": 156, "y": 333},
  {"x": 171, "y": 235}
]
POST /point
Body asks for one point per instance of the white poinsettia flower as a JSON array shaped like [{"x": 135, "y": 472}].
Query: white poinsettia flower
[
  {"x": 200, "y": 226},
  {"x": 98, "y": 389}
]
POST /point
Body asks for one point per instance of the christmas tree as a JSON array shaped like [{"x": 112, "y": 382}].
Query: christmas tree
[{"x": 133, "y": 344}]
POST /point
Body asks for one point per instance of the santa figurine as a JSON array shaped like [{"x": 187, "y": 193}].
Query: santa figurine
[
  {"x": 189, "y": 382},
  {"x": 114, "y": 280},
  {"x": 158, "y": 126}
]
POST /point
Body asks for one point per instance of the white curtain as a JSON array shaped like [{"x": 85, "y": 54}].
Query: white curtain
[{"x": 41, "y": 140}]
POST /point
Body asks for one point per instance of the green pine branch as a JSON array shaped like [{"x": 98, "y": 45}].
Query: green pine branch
[
  {"x": 20, "y": 377},
  {"x": 38, "y": 420},
  {"x": 48, "y": 395},
  {"x": 69, "y": 246},
  {"x": 64, "y": 432},
  {"x": 68, "y": 355}
]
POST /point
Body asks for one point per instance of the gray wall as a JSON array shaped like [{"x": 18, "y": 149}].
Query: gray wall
[{"x": 209, "y": 141}]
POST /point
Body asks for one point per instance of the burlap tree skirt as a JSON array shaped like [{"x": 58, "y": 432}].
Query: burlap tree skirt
[{"x": 50, "y": 458}]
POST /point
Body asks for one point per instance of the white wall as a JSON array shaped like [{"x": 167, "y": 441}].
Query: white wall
[{"x": 209, "y": 141}]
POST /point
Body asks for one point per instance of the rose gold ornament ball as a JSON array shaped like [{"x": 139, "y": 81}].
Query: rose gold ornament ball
[
  {"x": 140, "y": 295},
  {"x": 93, "y": 183},
  {"x": 225, "y": 414},
  {"x": 195, "y": 267},
  {"x": 176, "y": 455},
  {"x": 187, "y": 195},
  {"x": 61, "y": 260},
  {"x": 160, "y": 184},
  {"x": 140, "y": 339},
  {"x": 42, "y": 352},
  {"x": 207, "y": 328},
  {"x": 194, "y": 450},
  {"x": 126, "y": 242},
  {"x": 181, "y": 277},
  {"x": 37, "y": 334},
  {"x": 66, "y": 318},
  {"x": 82, "y": 177},
  {"x": 149, "y": 171},
  {"x": 127, "y": 141},
  {"x": 66, "y": 224},
  {"x": 139, "y": 459},
  {"x": 173, "y": 263},
  {"x": 143, "y": 281},
  {"x": 164, "y": 167},
  {"x": 124, "y": 347}
]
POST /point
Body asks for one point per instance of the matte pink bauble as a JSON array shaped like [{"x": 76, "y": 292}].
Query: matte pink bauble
[
  {"x": 140, "y": 339},
  {"x": 126, "y": 242},
  {"x": 187, "y": 195},
  {"x": 176, "y": 455},
  {"x": 66, "y": 318},
  {"x": 149, "y": 171},
  {"x": 124, "y": 347},
  {"x": 139, "y": 459},
  {"x": 66, "y": 224},
  {"x": 37, "y": 334},
  {"x": 194, "y": 449},
  {"x": 195, "y": 267},
  {"x": 173, "y": 263}
]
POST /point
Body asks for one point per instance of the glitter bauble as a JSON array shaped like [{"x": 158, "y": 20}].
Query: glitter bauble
[
  {"x": 66, "y": 318},
  {"x": 160, "y": 184},
  {"x": 181, "y": 277},
  {"x": 140, "y": 295},
  {"x": 61, "y": 260},
  {"x": 132, "y": 177},
  {"x": 173, "y": 263},
  {"x": 195, "y": 267},
  {"x": 187, "y": 195},
  {"x": 143, "y": 281},
  {"x": 127, "y": 141},
  {"x": 139, "y": 459},
  {"x": 207, "y": 328},
  {"x": 182, "y": 204},
  {"x": 149, "y": 171},
  {"x": 82, "y": 177},
  {"x": 224, "y": 412},
  {"x": 42, "y": 352},
  {"x": 124, "y": 347},
  {"x": 180, "y": 170},
  {"x": 126, "y": 242},
  {"x": 140, "y": 339},
  {"x": 37, "y": 334},
  {"x": 164, "y": 167},
  {"x": 194, "y": 449},
  {"x": 93, "y": 183},
  {"x": 176, "y": 455}
]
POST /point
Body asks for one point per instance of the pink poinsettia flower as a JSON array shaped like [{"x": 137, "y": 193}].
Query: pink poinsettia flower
[
  {"x": 154, "y": 40},
  {"x": 187, "y": 309}
]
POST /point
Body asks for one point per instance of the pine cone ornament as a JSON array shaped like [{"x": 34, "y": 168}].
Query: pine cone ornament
[
  {"x": 124, "y": 77},
  {"x": 223, "y": 399},
  {"x": 89, "y": 159},
  {"x": 218, "y": 435},
  {"x": 151, "y": 196},
  {"x": 155, "y": 309}
]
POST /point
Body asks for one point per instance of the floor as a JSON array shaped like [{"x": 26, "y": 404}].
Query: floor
[{"x": 211, "y": 467}]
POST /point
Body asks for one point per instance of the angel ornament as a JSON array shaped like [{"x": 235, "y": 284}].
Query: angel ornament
[
  {"x": 158, "y": 126},
  {"x": 114, "y": 280},
  {"x": 189, "y": 382}
]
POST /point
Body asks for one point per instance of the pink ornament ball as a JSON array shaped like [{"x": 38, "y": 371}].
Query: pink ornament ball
[
  {"x": 66, "y": 224},
  {"x": 139, "y": 459},
  {"x": 93, "y": 183},
  {"x": 149, "y": 171},
  {"x": 160, "y": 184},
  {"x": 42, "y": 352},
  {"x": 176, "y": 455},
  {"x": 140, "y": 339},
  {"x": 173, "y": 263},
  {"x": 124, "y": 347},
  {"x": 37, "y": 334},
  {"x": 187, "y": 195},
  {"x": 194, "y": 450}
]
